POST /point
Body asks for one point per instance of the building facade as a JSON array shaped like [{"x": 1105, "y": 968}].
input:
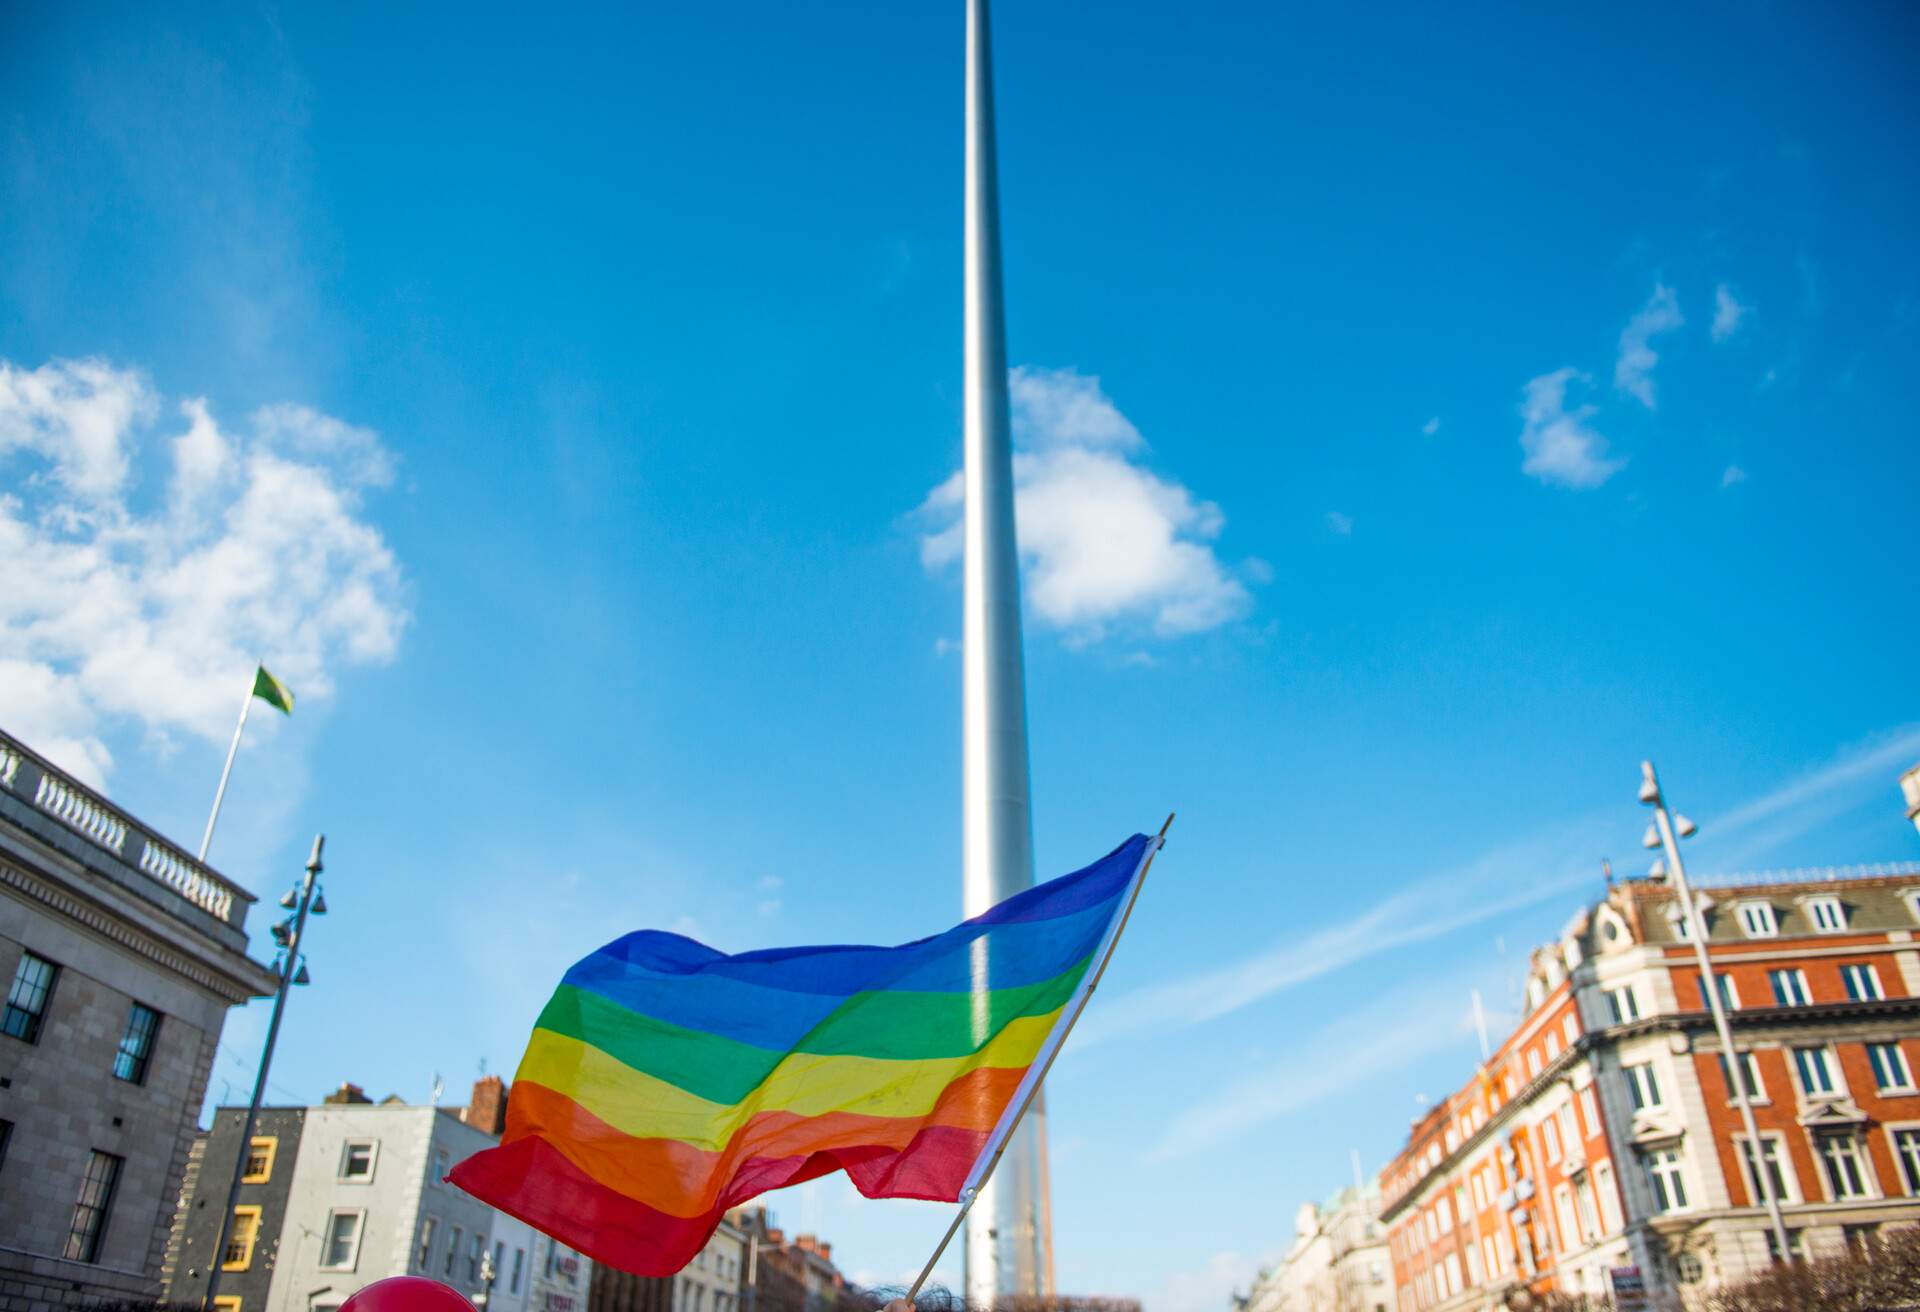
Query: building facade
[
  {"x": 121, "y": 956},
  {"x": 1338, "y": 1262},
  {"x": 1603, "y": 1134},
  {"x": 340, "y": 1195}
]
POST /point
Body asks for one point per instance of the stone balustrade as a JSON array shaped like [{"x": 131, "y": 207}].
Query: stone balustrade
[{"x": 31, "y": 778}]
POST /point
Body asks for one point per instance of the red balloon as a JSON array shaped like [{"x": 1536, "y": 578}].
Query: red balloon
[{"x": 407, "y": 1294}]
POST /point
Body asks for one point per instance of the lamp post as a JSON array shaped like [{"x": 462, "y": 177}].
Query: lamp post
[
  {"x": 487, "y": 1276},
  {"x": 1666, "y": 832},
  {"x": 292, "y": 970}
]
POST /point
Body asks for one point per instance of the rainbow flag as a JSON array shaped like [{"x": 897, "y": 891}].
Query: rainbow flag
[{"x": 666, "y": 1082}]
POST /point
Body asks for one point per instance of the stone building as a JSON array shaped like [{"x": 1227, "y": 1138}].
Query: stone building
[
  {"x": 352, "y": 1191},
  {"x": 121, "y": 956},
  {"x": 1338, "y": 1262},
  {"x": 1603, "y": 1135}
]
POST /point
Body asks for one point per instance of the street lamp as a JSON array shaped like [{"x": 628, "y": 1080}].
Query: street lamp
[
  {"x": 487, "y": 1277},
  {"x": 1662, "y": 833},
  {"x": 291, "y": 967}
]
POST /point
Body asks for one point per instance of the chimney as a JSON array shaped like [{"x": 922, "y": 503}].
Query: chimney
[
  {"x": 488, "y": 1109},
  {"x": 347, "y": 1093},
  {"x": 807, "y": 1243},
  {"x": 776, "y": 1236},
  {"x": 826, "y": 1251}
]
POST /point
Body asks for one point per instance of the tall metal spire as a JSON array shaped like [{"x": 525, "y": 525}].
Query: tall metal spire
[{"x": 1009, "y": 1248}]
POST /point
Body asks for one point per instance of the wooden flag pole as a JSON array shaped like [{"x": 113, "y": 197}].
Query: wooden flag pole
[{"x": 1004, "y": 1134}]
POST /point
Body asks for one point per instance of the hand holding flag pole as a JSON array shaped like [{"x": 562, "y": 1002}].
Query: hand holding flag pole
[
  {"x": 1037, "y": 1073},
  {"x": 275, "y": 694}
]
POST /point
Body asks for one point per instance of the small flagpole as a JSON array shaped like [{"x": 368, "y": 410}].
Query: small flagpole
[
  {"x": 206, "y": 839},
  {"x": 1003, "y": 1134}
]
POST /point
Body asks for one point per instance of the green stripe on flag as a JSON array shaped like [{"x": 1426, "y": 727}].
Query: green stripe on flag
[{"x": 273, "y": 692}]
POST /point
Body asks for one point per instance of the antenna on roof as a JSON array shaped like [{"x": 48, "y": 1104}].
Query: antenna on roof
[
  {"x": 439, "y": 1087},
  {"x": 1606, "y": 869}
]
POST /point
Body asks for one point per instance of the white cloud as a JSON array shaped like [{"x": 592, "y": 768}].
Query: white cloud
[
  {"x": 1105, "y": 541},
  {"x": 127, "y": 599},
  {"x": 1340, "y": 524},
  {"x": 1431, "y": 427},
  {"x": 1734, "y": 474},
  {"x": 1561, "y": 447},
  {"x": 1858, "y": 775},
  {"x": 1210, "y": 1286},
  {"x": 1353, "y": 1051},
  {"x": 1506, "y": 879},
  {"x": 1633, "y": 371},
  {"x": 1728, "y": 313}
]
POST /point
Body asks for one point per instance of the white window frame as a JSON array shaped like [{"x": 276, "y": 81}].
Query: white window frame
[
  {"x": 1906, "y": 1169},
  {"x": 1630, "y": 1011},
  {"x": 1827, "y": 915},
  {"x": 1829, "y": 1064},
  {"x": 1570, "y": 1029},
  {"x": 423, "y": 1250},
  {"x": 1642, "y": 1095},
  {"x": 1683, "y": 927},
  {"x": 346, "y": 1155},
  {"x": 359, "y": 1215},
  {"x": 1862, "y": 970},
  {"x": 1607, "y": 1196},
  {"x": 1729, "y": 991},
  {"x": 1783, "y": 1159},
  {"x": 1905, "y": 1068},
  {"x": 1797, "y": 993},
  {"x": 1756, "y": 1087},
  {"x": 1553, "y": 1045},
  {"x": 1670, "y": 1163},
  {"x": 1550, "y": 1139},
  {"x": 1861, "y": 1158},
  {"x": 1757, "y": 919},
  {"x": 1565, "y": 1219},
  {"x": 1533, "y": 1063}
]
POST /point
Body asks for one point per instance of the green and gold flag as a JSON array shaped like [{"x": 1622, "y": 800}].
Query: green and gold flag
[{"x": 273, "y": 692}]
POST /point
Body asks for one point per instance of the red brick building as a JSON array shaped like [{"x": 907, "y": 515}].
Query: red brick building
[{"x": 1602, "y": 1133}]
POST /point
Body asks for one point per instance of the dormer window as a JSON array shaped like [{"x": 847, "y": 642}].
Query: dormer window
[
  {"x": 1911, "y": 897},
  {"x": 1682, "y": 927},
  {"x": 1756, "y": 918},
  {"x": 1827, "y": 914}
]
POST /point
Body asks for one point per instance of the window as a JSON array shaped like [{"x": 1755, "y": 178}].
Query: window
[
  {"x": 1688, "y": 1269},
  {"x": 227, "y": 1303},
  {"x": 1817, "y": 1074},
  {"x": 1453, "y": 1272},
  {"x": 356, "y": 1160},
  {"x": 1479, "y": 1194},
  {"x": 1778, "y": 1186},
  {"x": 1890, "y": 1070},
  {"x": 1664, "y": 1174},
  {"x": 260, "y": 1155},
  {"x": 1682, "y": 927},
  {"x": 6, "y": 1135},
  {"x": 1533, "y": 1062},
  {"x": 1906, "y": 1148},
  {"x": 1609, "y": 1197},
  {"x": 1570, "y": 1030},
  {"x": 1563, "y": 1213},
  {"x": 1756, "y": 1092},
  {"x": 441, "y": 1165},
  {"x": 453, "y": 1252},
  {"x": 1756, "y": 919},
  {"x": 1863, "y": 983},
  {"x": 95, "y": 1201},
  {"x": 473, "y": 1256},
  {"x": 499, "y": 1259},
  {"x": 1569, "y": 1129},
  {"x": 1550, "y": 1139},
  {"x": 1553, "y": 1045},
  {"x": 27, "y": 1000},
  {"x": 425, "y": 1256},
  {"x": 136, "y": 1045},
  {"x": 1729, "y": 997},
  {"x": 1642, "y": 1087},
  {"x": 1827, "y": 915},
  {"x": 1623, "y": 1004},
  {"x": 1590, "y": 1111},
  {"x": 551, "y": 1245},
  {"x": 340, "y": 1245},
  {"x": 1796, "y": 1245},
  {"x": 519, "y": 1265},
  {"x": 1443, "y": 1216},
  {"x": 1789, "y": 987},
  {"x": 1840, "y": 1159},
  {"x": 240, "y": 1236}
]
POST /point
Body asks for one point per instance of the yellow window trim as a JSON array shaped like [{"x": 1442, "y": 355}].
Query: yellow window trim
[
  {"x": 246, "y": 1229},
  {"x": 272, "y": 1144},
  {"x": 227, "y": 1303}
]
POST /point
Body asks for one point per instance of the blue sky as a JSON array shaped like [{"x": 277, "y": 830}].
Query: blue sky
[{"x": 1424, "y": 417}]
